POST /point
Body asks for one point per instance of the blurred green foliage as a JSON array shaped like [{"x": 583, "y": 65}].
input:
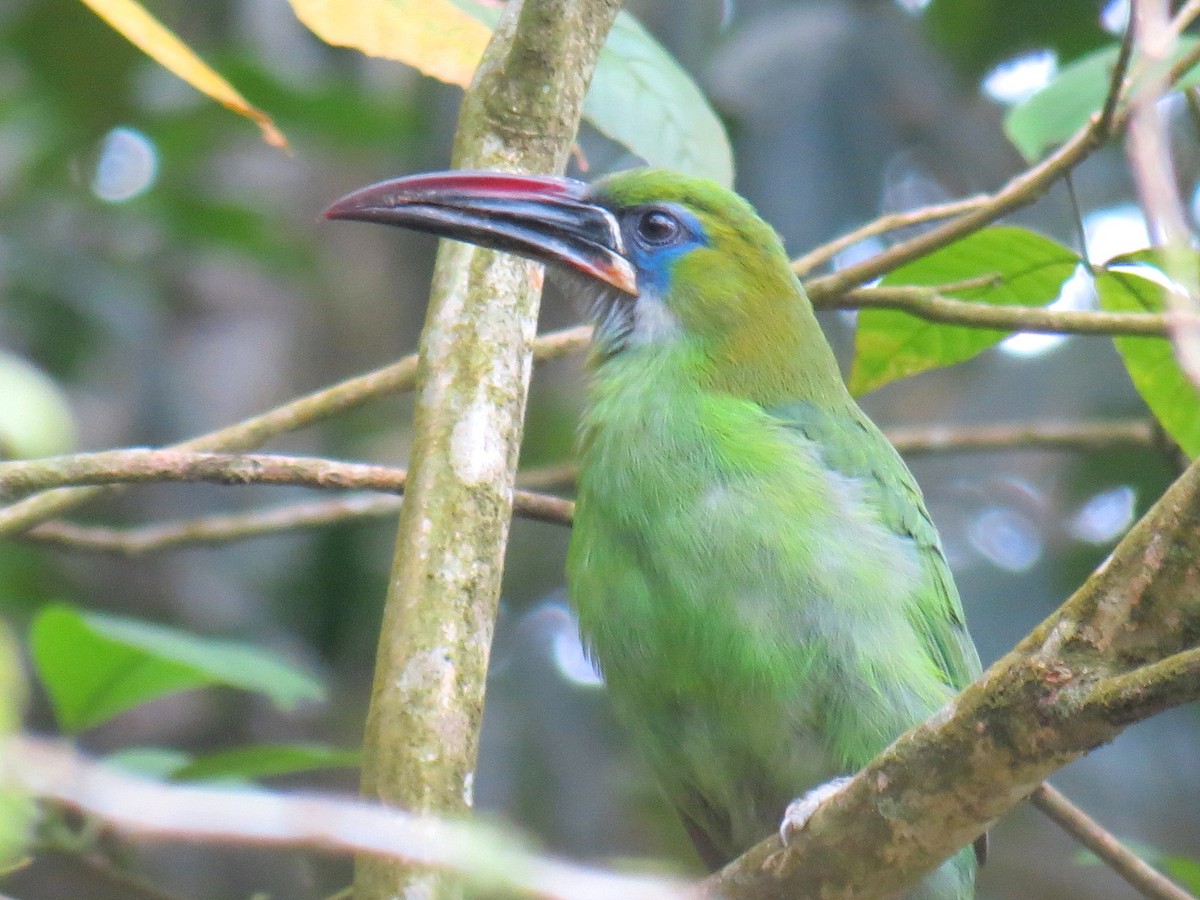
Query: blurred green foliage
[{"x": 977, "y": 34}]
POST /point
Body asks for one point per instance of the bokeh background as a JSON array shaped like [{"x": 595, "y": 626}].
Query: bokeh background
[{"x": 170, "y": 274}]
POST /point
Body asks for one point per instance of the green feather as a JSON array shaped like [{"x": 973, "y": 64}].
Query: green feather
[{"x": 855, "y": 447}]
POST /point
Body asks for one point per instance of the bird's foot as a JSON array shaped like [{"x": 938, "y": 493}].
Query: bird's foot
[{"x": 800, "y": 810}]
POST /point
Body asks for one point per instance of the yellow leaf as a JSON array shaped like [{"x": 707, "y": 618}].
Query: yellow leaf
[
  {"x": 156, "y": 41},
  {"x": 433, "y": 36}
]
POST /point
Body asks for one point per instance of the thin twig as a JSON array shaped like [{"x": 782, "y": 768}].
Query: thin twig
[
  {"x": 212, "y": 530},
  {"x": 1116, "y": 84},
  {"x": 137, "y": 466},
  {"x": 218, "y": 529},
  {"x": 1085, "y": 254},
  {"x": 1153, "y": 170},
  {"x": 1187, "y": 13},
  {"x": 147, "y": 809},
  {"x": 295, "y": 414},
  {"x": 982, "y": 209},
  {"x": 1021, "y": 190},
  {"x": 818, "y": 256},
  {"x": 1043, "y": 435},
  {"x": 142, "y": 466},
  {"x": 1143, "y": 877},
  {"x": 927, "y": 304},
  {"x": 1184, "y": 64}
]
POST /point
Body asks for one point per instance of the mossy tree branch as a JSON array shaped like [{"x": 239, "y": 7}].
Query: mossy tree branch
[
  {"x": 520, "y": 114},
  {"x": 1125, "y": 646}
]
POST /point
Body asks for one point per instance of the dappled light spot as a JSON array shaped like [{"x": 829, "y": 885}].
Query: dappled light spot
[
  {"x": 1114, "y": 16},
  {"x": 571, "y": 659},
  {"x": 1021, "y": 77},
  {"x": 1078, "y": 292},
  {"x": 127, "y": 166},
  {"x": 1116, "y": 230},
  {"x": 1006, "y": 538},
  {"x": 1105, "y": 516}
]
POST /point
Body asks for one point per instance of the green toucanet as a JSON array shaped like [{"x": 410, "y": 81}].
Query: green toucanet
[{"x": 752, "y": 563}]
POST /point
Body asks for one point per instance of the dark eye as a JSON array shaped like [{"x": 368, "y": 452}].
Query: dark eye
[{"x": 658, "y": 227}]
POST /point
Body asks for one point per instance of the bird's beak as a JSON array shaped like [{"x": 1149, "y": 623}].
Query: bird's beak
[{"x": 551, "y": 220}]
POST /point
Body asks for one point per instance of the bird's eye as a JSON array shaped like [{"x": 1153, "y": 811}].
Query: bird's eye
[{"x": 657, "y": 227}]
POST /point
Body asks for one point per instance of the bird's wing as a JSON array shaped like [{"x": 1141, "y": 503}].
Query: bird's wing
[{"x": 854, "y": 447}]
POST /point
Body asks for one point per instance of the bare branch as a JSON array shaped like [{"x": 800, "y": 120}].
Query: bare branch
[
  {"x": 1186, "y": 15},
  {"x": 1116, "y": 85},
  {"x": 1143, "y": 877},
  {"x": 211, "y": 530},
  {"x": 141, "y": 808},
  {"x": 218, "y": 529},
  {"x": 1021, "y": 191},
  {"x": 141, "y": 466},
  {"x": 818, "y": 256},
  {"x": 927, "y": 303},
  {"x": 144, "y": 466},
  {"x": 1153, "y": 171},
  {"x": 299, "y": 413},
  {"x": 221, "y": 529},
  {"x": 1042, "y": 435}
]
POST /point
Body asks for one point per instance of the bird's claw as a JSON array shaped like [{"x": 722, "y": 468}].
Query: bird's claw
[{"x": 800, "y": 810}]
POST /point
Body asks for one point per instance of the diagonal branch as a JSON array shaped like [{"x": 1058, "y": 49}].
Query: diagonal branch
[
  {"x": 1022, "y": 190},
  {"x": 819, "y": 256},
  {"x": 1147, "y": 880},
  {"x": 1121, "y": 649}
]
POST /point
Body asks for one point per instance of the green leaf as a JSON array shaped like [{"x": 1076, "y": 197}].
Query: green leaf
[
  {"x": 35, "y": 419},
  {"x": 1029, "y": 270},
  {"x": 644, "y": 100},
  {"x": 1180, "y": 868},
  {"x": 149, "y": 762},
  {"x": 239, "y": 764},
  {"x": 95, "y": 666},
  {"x": 1064, "y": 105},
  {"x": 265, "y": 760},
  {"x": 1184, "y": 870},
  {"x": 1151, "y": 363},
  {"x": 17, "y": 810},
  {"x": 975, "y": 35}
]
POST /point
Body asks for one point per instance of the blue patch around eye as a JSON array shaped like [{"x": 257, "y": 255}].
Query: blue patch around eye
[{"x": 654, "y": 264}]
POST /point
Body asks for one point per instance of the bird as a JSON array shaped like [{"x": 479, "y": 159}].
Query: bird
[{"x": 752, "y": 564}]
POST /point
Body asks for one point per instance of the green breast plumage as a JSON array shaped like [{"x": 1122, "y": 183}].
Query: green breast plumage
[{"x": 755, "y": 608}]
